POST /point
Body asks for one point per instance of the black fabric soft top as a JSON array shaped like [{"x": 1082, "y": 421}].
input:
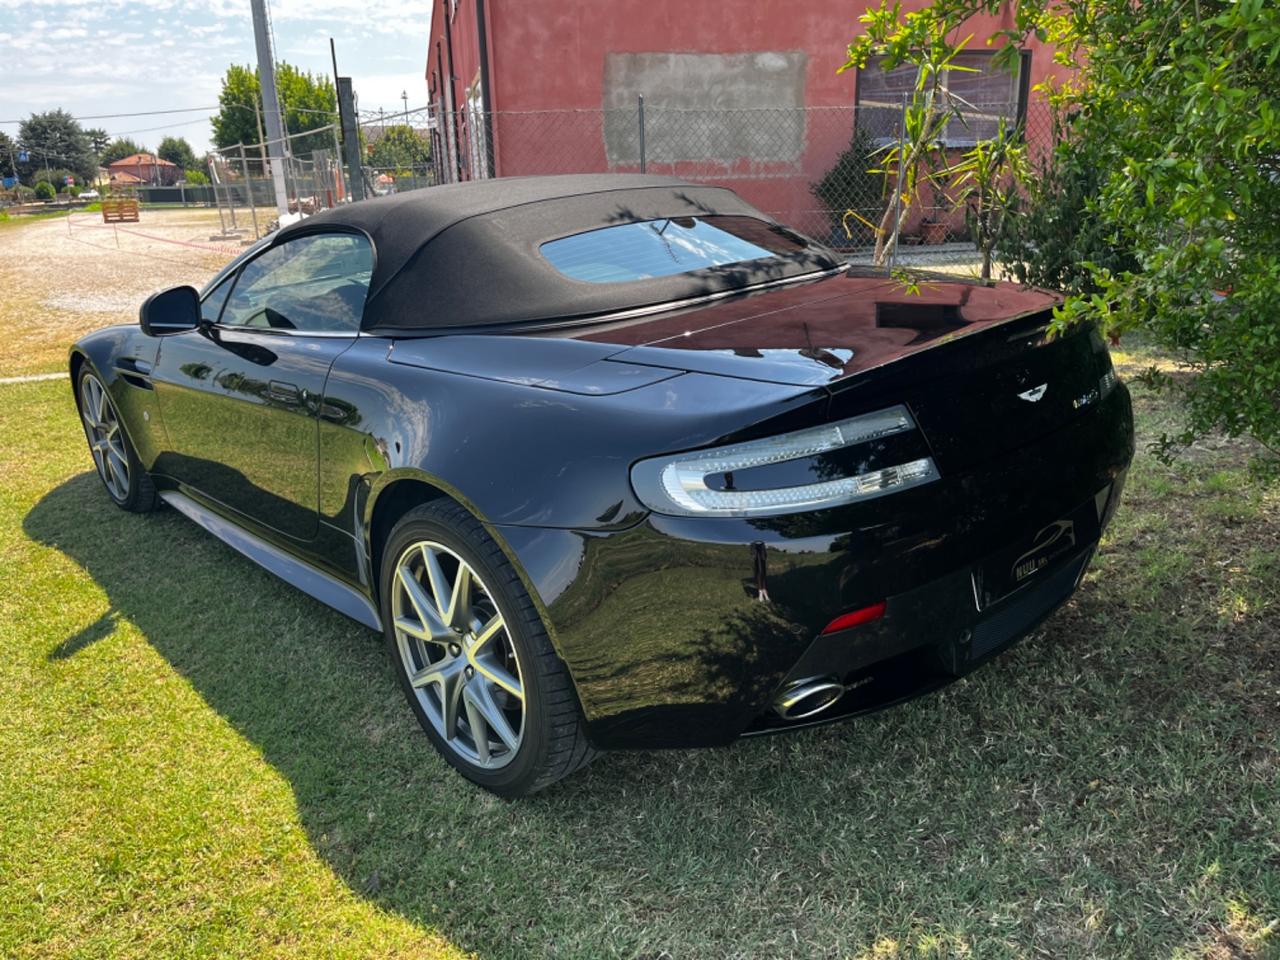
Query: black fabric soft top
[{"x": 466, "y": 254}]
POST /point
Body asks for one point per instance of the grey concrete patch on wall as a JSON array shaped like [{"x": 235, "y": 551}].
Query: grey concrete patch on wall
[{"x": 719, "y": 107}]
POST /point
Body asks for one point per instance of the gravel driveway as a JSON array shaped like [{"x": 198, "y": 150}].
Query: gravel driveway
[{"x": 62, "y": 277}]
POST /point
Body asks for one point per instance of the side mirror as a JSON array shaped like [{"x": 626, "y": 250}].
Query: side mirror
[{"x": 170, "y": 311}]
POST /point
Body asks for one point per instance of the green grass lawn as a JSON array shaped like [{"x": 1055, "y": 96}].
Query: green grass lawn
[{"x": 198, "y": 761}]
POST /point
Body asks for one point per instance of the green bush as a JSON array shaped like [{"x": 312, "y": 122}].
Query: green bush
[
  {"x": 1058, "y": 233},
  {"x": 45, "y": 191},
  {"x": 1162, "y": 208},
  {"x": 196, "y": 178},
  {"x": 850, "y": 185}
]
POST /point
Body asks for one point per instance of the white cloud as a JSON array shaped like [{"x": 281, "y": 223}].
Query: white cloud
[{"x": 144, "y": 59}]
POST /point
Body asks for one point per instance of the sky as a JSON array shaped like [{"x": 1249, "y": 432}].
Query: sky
[{"x": 136, "y": 56}]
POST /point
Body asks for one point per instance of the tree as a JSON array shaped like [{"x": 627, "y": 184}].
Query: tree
[
  {"x": 400, "y": 147},
  {"x": 1177, "y": 105},
  {"x": 8, "y": 155},
  {"x": 917, "y": 160},
  {"x": 177, "y": 150},
  {"x": 307, "y": 101},
  {"x": 235, "y": 122},
  {"x": 118, "y": 149},
  {"x": 1055, "y": 241},
  {"x": 55, "y": 138},
  {"x": 197, "y": 178},
  {"x": 987, "y": 180},
  {"x": 99, "y": 138},
  {"x": 44, "y": 190}
]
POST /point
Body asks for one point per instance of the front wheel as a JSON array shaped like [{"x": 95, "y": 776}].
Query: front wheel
[
  {"x": 473, "y": 657},
  {"x": 119, "y": 468}
]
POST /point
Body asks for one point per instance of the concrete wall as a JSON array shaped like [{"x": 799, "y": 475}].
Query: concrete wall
[{"x": 696, "y": 102}]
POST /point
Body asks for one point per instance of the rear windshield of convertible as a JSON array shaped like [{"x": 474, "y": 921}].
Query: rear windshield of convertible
[{"x": 663, "y": 248}]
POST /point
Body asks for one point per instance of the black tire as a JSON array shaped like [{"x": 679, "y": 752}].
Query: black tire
[
  {"x": 140, "y": 496},
  {"x": 553, "y": 743}
]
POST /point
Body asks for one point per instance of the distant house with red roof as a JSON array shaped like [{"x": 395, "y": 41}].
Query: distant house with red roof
[{"x": 140, "y": 169}]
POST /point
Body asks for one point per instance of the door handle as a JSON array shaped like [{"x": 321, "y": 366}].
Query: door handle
[{"x": 283, "y": 392}]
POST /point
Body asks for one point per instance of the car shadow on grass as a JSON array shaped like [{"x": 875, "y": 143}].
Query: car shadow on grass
[{"x": 1064, "y": 775}]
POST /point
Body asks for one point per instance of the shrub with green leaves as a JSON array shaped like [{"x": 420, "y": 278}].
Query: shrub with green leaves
[
  {"x": 1056, "y": 234},
  {"x": 45, "y": 191},
  {"x": 852, "y": 185},
  {"x": 1177, "y": 106}
]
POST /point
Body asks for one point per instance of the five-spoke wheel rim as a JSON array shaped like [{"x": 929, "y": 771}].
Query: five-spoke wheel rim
[
  {"x": 106, "y": 441},
  {"x": 458, "y": 655}
]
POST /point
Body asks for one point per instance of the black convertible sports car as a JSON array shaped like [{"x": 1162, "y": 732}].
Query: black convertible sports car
[{"x": 618, "y": 461}]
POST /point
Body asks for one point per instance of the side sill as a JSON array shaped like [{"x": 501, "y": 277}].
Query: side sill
[{"x": 328, "y": 590}]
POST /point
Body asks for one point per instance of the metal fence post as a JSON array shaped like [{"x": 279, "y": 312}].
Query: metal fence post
[
  {"x": 897, "y": 194},
  {"x": 339, "y": 181},
  {"x": 231, "y": 198},
  {"x": 350, "y": 138},
  {"x": 248, "y": 191},
  {"x": 642, "y": 156},
  {"x": 213, "y": 179},
  {"x": 291, "y": 177}
]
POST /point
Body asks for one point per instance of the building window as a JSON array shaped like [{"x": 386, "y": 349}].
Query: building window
[{"x": 984, "y": 93}]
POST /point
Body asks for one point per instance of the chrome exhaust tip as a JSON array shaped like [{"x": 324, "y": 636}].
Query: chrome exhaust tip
[{"x": 807, "y": 698}]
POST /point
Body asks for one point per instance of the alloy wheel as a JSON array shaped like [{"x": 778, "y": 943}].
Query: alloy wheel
[
  {"x": 106, "y": 440},
  {"x": 458, "y": 655}
]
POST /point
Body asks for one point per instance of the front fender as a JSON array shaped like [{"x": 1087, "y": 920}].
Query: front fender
[{"x": 122, "y": 357}]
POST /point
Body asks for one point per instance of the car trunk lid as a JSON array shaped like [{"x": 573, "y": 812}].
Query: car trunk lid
[{"x": 973, "y": 362}]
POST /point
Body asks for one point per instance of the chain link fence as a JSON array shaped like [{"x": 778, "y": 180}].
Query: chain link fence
[
  {"x": 396, "y": 152},
  {"x": 243, "y": 188},
  {"x": 830, "y": 172}
]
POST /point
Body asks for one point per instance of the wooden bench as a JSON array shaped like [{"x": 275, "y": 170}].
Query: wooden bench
[{"x": 120, "y": 210}]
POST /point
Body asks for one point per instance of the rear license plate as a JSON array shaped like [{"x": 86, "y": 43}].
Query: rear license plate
[{"x": 1025, "y": 562}]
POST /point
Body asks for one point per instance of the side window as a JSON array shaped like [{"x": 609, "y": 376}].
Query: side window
[
  {"x": 211, "y": 305},
  {"x": 313, "y": 284}
]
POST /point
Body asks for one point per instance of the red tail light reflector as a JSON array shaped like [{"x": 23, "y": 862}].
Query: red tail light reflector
[{"x": 847, "y": 620}]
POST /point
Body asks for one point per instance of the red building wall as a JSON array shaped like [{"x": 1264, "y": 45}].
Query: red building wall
[{"x": 555, "y": 66}]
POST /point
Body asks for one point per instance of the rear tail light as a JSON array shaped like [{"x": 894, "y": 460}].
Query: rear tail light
[{"x": 678, "y": 485}]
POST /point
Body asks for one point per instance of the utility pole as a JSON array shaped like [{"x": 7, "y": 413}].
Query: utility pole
[
  {"x": 270, "y": 102},
  {"x": 404, "y": 98},
  {"x": 263, "y": 168}
]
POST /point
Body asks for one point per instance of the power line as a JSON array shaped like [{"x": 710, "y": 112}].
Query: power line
[
  {"x": 167, "y": 126},
  {"x": 141, "y": 113}
]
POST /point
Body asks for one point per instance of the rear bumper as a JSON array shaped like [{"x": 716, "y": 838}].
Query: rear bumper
[
  {"x": 928, "y": 638},
  {"x": 681, "y": 632}
]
